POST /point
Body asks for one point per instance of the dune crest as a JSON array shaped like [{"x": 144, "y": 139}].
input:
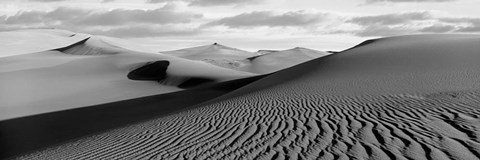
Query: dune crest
[
  {"x": 409, "y": 97},
  {"x": 215, "y": 54},
  {"x": 94, "y": 97},
  {"x": 271, "y": 61},
  {"x": 93, "y": 71},
  {"x": 90, "y": 46},
  {"x": 210, "y": 51},
  {"x": 155, "y": 71},
  {"x": 261, "y": 62},
  {"x": 14, "y": 43}
]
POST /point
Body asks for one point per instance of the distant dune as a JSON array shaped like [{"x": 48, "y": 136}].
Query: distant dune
[
  {"x": 405, "y": 97},
  {"x": 261, "y": 62},
  {"x": 272, "y": 61},
  {"x": 29, "y": 41},
  {"x": 89, "y": 72},
  {"x": 215, "y": 54}
]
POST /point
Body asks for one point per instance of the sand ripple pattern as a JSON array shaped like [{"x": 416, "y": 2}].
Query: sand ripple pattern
[{"x": 276, "y": 124}]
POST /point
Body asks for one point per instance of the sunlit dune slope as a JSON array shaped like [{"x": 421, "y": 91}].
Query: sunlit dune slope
[
  {"x": 409, "y": 97},
  {"x": 28, "y": 41},
  {"x": 93, "y": 71},
  {"x": 216, "y": 54},
  {"x": 261, "y": 62},
  {"x": 272, "y": 61},
  {"x": 405, "y": 64}
]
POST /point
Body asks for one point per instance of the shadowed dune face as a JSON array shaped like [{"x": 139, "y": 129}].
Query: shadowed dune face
[
  {"x": 216, "y": 54},
  {"x": 94, "y": 71},
  {"x": 23, "y": 135},
  {"x": 261, "y": 62},
  {"x": 195, "y": 81},
  {"x": 413, "y": 97},
  {"x": 155, "y": 71},
  {"x": 273, "y": 61},
  {"x": 29, "y": 41},
  {"x": 214, "y": 51},
  {"x": 91, "y": 46},
  {"x": 406, "y": 64}
]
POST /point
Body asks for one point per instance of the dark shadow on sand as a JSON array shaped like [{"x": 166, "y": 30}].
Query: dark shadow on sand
[
  {"x": 63, "y": 49},
  {"x": 155, "y": 71},
  {"x": 195, "y": 81},
  {"x": 28, "y": 134}
]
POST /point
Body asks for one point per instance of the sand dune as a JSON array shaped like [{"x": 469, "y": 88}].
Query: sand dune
[
  {"x": 261, "y": 62},
  {"x": 23, "y": 135},
  {"x": 262, "y": 52},
  {"x": 89, "y": 72},
  {"x": 28, "y": 41},
  {"x": 216, "y": 54},
  {"x": 409, "y": 97},
  {"x": 210, "y": 51},
  {"x": 271, "y": 61}
]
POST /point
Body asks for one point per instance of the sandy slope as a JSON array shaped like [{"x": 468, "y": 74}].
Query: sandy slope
[
  {"x": 412, "y": 97},
  {"x": 272, "y": 61},
  {"x": 23, "y": 135},
  {"x": 261, "y": 62},
  {"x": 91, "y": 72},
  {"x": 29, "y": 41},
  {"x": 216, "y": 54}
]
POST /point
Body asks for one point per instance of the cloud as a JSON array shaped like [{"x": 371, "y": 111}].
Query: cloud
[
  {"x": 46, "y": 0},
  {"x": 121, "y": 22},
  {"x": 390, "y": 19},
  {"x": 469, "y": 24},
  {"x": 270, "y": 19},
  {"x": 438, "y": 28},
  {"x": 121, "y": 16},
  {"x": 397, "y": 1},
  {"x": 72, "y": 16},
  {"x": 58, "y": 15},
  {"x": 223, "y": 2},
  {"x": 145, "y": 31},
  {"x": 161, "y": 1},
  {"x": 381, "y": 31},
  {"x": 410, "y": 23},
  {"x": 208, "y": 3}
]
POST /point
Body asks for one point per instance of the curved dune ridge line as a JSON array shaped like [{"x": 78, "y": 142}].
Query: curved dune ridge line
[
  {"x": 261, "y": 62},
  {"x": 28, "y": 41},
  {"x": 272, "y": 61},
  {"x": 156, "y": 71},
  {"x": 210, "y": 51},
  {"x": 215, "y": 54},
  {"x": 395, "y": 65},
  {"x": 409, "y": 97},
  {"x": 90, "y": 72},
  {"x": 91, "y": 46}
]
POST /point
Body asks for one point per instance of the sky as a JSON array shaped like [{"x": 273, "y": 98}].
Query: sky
[{"x": 328, "y": 25}]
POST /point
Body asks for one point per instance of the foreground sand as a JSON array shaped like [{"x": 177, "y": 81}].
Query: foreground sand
[{"x": 411, "y": 97}]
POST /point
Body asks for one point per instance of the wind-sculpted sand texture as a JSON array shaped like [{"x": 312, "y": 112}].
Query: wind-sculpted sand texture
[
  {"x": 261, "y": 62},
  {"x": 94, "y": 71},
  {"x": 216, "y": 54},
  {"x": 413, "y": 97},
  {"x": 272, "y": 61},
  {"x": 26, "y": 134},
  {"x": 272, "y": 124},
  {"x": 36, "y": 40}
]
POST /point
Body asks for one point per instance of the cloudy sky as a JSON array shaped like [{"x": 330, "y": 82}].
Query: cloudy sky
[{"x": 245, "y": 24}]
